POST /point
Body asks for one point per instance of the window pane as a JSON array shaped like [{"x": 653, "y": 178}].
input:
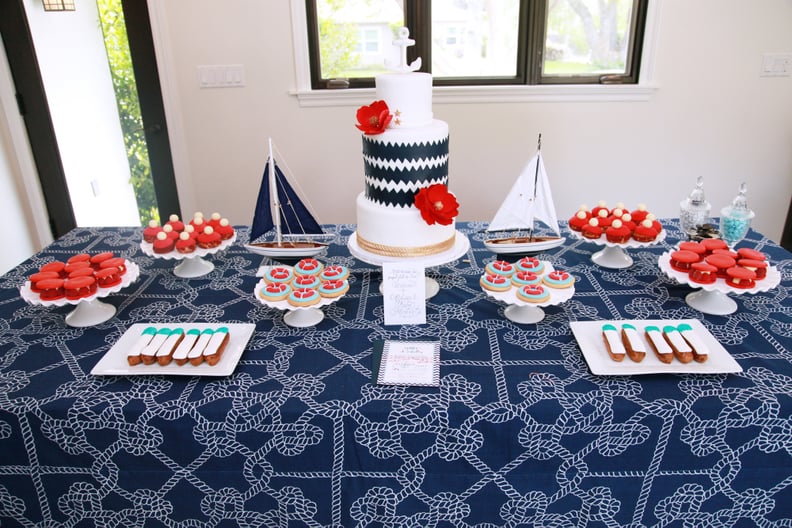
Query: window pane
[
  {"x": 586, "y": 37},
  {"x": 475, "y": 38},
  {"x": 356, "y": 36}
]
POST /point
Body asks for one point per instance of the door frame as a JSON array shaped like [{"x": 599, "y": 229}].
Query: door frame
[{"x": 33, "y": 107}]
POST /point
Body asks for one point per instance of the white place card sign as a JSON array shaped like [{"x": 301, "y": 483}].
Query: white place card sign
[
  {"x": 404, "y": 293},
  {"x": 414, "y": 363}
]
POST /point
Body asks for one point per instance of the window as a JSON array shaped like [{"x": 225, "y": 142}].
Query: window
[{"x": 479, "y": 42}]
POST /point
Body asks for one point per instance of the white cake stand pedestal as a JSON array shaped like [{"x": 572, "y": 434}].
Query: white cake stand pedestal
[
  {"x": 296, "y": 316},
  {"x": 190, "y": 265},
  {"x": 713, "y": 299},
  {"x": 88, "y": 311},
  {"x": 613, "y": 255},
  {"x": 460, "y": 247},
  {"x": 522, "y": 312}
]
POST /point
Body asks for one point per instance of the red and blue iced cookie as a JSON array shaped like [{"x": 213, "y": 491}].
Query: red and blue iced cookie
[
  {"x": 530, "y": 264},
  {"x": 332, "y": 288},
  {"x": 303, "y": 297},
  {"x": 308, "y": 266},
  {"x": 495, "y": 282},
  {"x": 275, "y": 291},
  {"x": 305, "y": 281},
  {"x": 500, "y": 267},
  {"x": 334, "y": 272},
  {"x": 533, "y": 294},
  {"x": 279, "y": 274},
  {"x": 524, "y": 278},
  {"x": 558, "y": 279}
]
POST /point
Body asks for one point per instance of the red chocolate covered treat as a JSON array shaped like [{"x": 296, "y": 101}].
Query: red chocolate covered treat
[
  {"x": 150, "y": 232},
  {"x": 175, "y": 223},
  {"x": 79, "y": 287},
  {"x": 209, "y": 238},
  {"x": 644, "y": 232},
  {"x": 51, "y": 289},
  {"x": 742, "y": 278},
  {"x": 752, "y": 254},
  {"x": 107, "y": 277},
  {"x": 163, "y": 243},
  {"x": 186, "y": 243},
  {"x": 703, "y": 273},
  {"x": 722, "y": 262},
  {"x": 759, "y": 267},
  {"x": 682, "y": 260},
  {"x": 618, "y": 233},
  {"x": 592, "y": 230}
]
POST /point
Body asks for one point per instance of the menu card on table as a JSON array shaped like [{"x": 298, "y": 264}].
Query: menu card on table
[
  {"x": 404, "y": 293},
  {"x": 415, "y": 363}
]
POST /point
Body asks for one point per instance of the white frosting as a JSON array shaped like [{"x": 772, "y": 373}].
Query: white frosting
[
  {"x": 678, "y": 341},
  {"x": 614, "y": 342},
  {"x": 200, "y": 344},
  {"x": 696, "y": 342},
  {"x": 185, "y": 346},
  {"x": 402, "y": 228},
  {"x": 659, "y": 343},
  {"x": 409, "y": 98},
  {"x": 167, "y": 345},
  {"x": 214, "y": 344},
  {"x": 154, "y": 344},
  {"x": 636, "y": 343}
]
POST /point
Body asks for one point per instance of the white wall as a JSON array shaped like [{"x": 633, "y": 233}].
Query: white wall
[
  {"x": 711, "y": 115},
  {"x": 25, "y": 232}
]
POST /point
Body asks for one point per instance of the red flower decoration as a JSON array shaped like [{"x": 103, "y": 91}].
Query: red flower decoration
[
  {"x": 374, "y": 118},
  {"x": 437, "y": 205}
]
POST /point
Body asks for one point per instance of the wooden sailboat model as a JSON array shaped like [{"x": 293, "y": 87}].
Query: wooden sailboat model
[
  {"x": 281, "y": 214},
  {"x": 528, "y": 201}
]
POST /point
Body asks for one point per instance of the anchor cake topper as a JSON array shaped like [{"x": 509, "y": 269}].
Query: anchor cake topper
[{"x": 403, "y": 42}]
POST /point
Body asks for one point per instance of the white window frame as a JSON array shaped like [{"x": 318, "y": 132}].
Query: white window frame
[{"x": 516, "y": 93}]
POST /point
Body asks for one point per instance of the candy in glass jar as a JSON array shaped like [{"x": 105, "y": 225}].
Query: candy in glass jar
[{"x": 736, "y": 218}]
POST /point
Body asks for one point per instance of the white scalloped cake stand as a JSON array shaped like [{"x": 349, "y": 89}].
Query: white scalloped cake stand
[
  {"x": 191, "y": 265},
  {"x": 523, "y": 312},
  {"x": 713, "y": 298},
  {"x": 296, "y": 316},
  {"x": 614, "y": 255},
  {"x": 88, "y": 311},
  {"x": 460, "y": 247}
]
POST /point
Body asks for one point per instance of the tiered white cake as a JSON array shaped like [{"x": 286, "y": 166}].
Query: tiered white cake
[{"x": 409, "y": 155}]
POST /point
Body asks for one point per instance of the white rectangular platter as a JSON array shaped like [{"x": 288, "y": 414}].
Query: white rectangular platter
[
  {"x": 589, "y": 338},
  {"x": 114, "y": 362}
]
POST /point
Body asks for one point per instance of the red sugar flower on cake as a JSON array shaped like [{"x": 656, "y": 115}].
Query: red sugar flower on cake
[
  {"x": 374, "y": 118},
  {"x": 436, "y": 204}
]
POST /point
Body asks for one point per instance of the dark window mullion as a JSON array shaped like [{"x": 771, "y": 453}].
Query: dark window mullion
[
  {"x": 533, "y": 15},
  {"x": 418, "y": 19}
]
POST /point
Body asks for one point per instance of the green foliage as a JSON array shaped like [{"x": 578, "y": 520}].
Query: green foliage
[
  {"x": 337, "y": 51},
  {"x": 114, "y": 29}
]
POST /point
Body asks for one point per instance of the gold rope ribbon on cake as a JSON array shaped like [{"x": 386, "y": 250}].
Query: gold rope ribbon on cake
[{"x": 393, "y": 251}]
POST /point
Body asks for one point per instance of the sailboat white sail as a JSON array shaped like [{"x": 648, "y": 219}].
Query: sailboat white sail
[
  {"x": 279, "y": 210},
  {"x": 529, "y": 200}
]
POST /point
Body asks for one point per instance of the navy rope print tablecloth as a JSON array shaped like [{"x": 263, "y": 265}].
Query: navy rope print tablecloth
[{"x": 519, "y": 433}]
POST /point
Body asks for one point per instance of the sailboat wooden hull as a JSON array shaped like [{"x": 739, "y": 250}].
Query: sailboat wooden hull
[
  {"x": 522, "y": 245},
  {"x": 286, "y": 249}
]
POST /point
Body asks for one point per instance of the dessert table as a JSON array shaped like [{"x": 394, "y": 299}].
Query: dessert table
[{"x": 519, "y": 432}]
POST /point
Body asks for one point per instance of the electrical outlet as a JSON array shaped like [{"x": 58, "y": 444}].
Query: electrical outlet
[
  {"x": 221, "y": 76},
  {"x": 776, "y": 65}
]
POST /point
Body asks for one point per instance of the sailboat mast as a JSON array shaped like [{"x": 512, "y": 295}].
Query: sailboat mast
[
  {"x": 536, "y": 181},
  {"x": 274, "y": 199}
]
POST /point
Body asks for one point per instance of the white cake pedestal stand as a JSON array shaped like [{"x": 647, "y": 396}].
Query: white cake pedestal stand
[
  {"x": 519, "y": 311},
  {"x": 460, "y": 247},
  {"x": 713, "y": 298},
  {"x": 296, "y": 316},
  {"x": 88, "y": 311},
  {"x": 613, "y": 255},
  {"x": 190, "y": 265}
]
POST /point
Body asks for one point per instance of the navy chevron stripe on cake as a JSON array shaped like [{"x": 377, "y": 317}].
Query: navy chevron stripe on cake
[{"x": 416, "y": 150}]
